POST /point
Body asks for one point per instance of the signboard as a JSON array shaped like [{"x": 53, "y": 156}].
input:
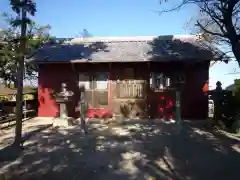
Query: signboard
[{"x": 12, "y": 98}]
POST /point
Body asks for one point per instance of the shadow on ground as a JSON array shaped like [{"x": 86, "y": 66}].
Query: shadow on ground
[{"x": 132, "y": 150}]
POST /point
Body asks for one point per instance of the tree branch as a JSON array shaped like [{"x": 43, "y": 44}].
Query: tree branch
[
  {"x": 213, "y": 15},
  {"x": 208, "y": 31},
  {"x": 184, "y": 2}
]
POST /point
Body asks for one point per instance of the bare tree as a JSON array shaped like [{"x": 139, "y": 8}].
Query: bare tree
[{"x": 218, "y": 21}]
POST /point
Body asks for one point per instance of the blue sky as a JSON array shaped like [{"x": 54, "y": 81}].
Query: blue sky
[
  {"x": 118, "y": 18},
  {"x": 108, "y": 17}
]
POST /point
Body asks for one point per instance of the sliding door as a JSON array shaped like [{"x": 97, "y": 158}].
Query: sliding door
[{"x": 96, "y": 88}]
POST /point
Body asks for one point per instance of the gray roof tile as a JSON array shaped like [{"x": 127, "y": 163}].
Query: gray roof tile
[{"x": 158, "y": 49}]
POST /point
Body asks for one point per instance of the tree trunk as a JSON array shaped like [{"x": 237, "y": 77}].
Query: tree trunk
[
  {"x": 20, "y": 75},
  {"x": 236, "y": 51}
]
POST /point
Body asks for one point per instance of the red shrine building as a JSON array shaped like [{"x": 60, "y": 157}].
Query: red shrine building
[{"x": 126, "y": 76}]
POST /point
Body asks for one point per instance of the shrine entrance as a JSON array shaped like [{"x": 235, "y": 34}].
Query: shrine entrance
[
  {"x": 162, "y": 96},
  {"x": 162, "y": 104}
]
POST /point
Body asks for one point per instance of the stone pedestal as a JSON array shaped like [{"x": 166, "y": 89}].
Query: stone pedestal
[
  {"x": 63, "y": 111},
  {"x": 62, "y": 108}
]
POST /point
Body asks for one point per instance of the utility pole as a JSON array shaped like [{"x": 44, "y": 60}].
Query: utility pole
[{"x": 20, "y": 75}]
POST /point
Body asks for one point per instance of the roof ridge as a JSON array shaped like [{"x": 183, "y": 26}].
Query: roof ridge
[
  {"x": 128, "y": 38},
  {"x": 113, "y": 39}
]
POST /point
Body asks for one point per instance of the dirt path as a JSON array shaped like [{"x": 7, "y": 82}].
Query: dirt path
[{"x": 133, "y": 150}]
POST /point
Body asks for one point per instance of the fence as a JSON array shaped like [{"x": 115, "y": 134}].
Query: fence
[{"x": 130, "y": 90}]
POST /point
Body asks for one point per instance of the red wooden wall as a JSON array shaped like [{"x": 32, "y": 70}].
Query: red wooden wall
[
  {"x": 50, "y": 78},
  {"x": 194, "y": 101}
]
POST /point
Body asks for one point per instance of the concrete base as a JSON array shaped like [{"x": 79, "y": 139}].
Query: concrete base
[{"x": 66, "y": 122}]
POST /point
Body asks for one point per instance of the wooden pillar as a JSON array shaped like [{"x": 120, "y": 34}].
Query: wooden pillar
[
  {"x": 109, "y": 86},
  {"x": 148, "y": 90},
  {"x": 76, "y": 91}
]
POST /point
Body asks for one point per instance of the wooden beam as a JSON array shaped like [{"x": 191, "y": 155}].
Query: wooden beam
[{"x": 110, "y": 86}]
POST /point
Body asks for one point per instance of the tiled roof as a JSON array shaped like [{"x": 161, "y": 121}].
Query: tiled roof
[{"x": 124, "y": 49}]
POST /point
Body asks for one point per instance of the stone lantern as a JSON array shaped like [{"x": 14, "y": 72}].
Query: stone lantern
[{"x": 62, "y": 98}]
